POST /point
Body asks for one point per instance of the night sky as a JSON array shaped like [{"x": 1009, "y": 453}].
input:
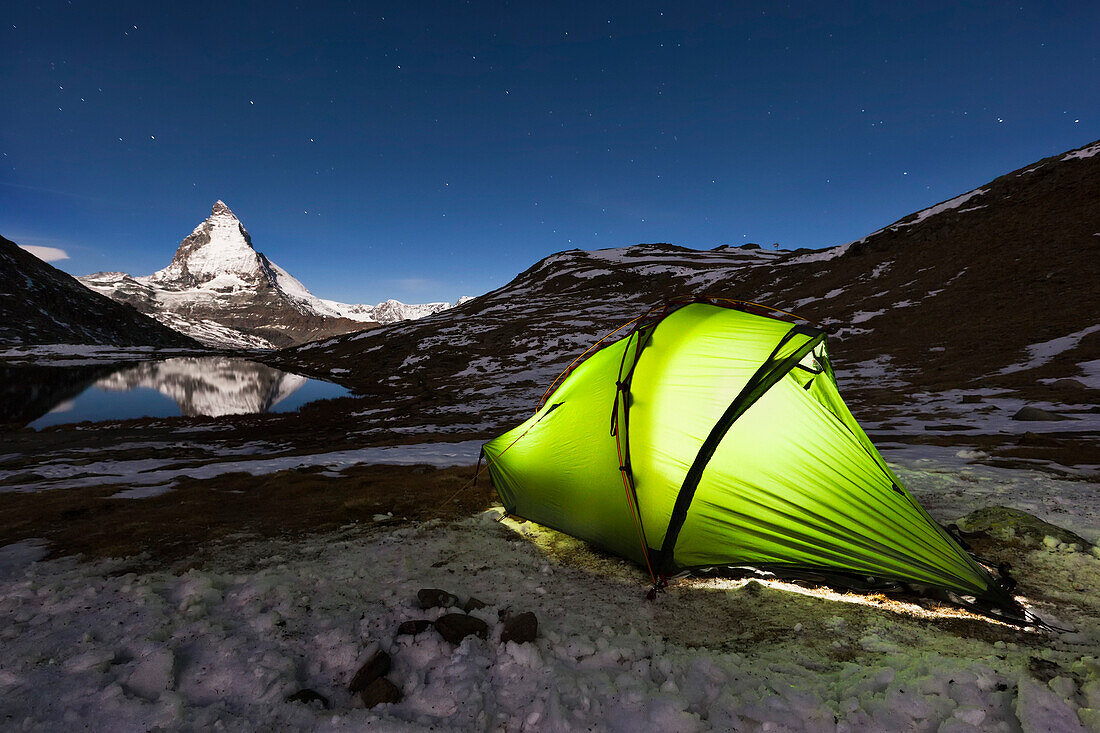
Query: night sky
[{"x": 424, "y": 150}]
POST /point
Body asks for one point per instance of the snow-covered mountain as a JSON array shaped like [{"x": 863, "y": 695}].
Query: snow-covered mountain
[
  {"x": 389, "y": 311},
  {"x": 219, "y": 290}
]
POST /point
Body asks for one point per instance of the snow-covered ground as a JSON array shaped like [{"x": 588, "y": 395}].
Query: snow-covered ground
[
  {"x": 992, "y": 414},
  {"x": 950, "y": 482},
  {"x": 153, "y": 476},
  {"x": 1039, "y": 354},
  {"x": 223, "y": 645},
  {"x": 226, "y": 645},
  {"x": 942, "y": 207}
]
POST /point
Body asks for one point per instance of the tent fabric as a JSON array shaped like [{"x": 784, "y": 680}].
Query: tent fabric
[{"x": 739, "y": 451}]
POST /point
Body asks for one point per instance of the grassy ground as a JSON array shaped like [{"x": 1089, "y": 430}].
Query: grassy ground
[{"x": 197, "y": 515}]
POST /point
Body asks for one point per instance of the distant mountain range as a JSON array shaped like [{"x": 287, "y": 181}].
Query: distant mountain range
[
  {"x": 996, "y": 291},
  {"x": 40, "y": 304},
  {"x": 219, "y": 290}
]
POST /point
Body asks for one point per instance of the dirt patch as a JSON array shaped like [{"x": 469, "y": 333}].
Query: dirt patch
[{"x": 196, "y": 514}]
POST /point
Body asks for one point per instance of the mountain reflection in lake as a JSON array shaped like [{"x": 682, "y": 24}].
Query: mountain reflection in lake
[{"x": 209, "y": 385}]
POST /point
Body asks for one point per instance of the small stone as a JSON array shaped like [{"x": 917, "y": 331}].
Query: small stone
[
  {"x": 307, "y": 696},
  {"x": 412, "y": 628},
  {"x": 521, "y": 628},
  {"x": 1069, "y": 384},
  {"x": 1043, "y": 670},
  {"x": 454, "y": 627},
  {"x": 473, "y": 604},
  {"x": 375, "y": 667},
  {"x": 436, "y": 598},
  {"x": 380, "y": 691},
  {"x": 1019, "y": 527},
  {"x": 1034, "y": 413},
  {"x": 1040, "y": 440}
]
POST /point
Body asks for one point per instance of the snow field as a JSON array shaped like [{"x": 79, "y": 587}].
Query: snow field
[
  {"x": 223, "y": 646},
  {"x": 948, "y": 483}
]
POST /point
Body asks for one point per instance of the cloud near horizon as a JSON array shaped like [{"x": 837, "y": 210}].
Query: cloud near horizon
[{"x": 46, "y": 254}]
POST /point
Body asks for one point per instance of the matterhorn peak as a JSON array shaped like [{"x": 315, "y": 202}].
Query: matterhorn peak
[
  {"x": 219, "y": 209},
  {"x": 221, "y": 290},
  {"x": 218, "y": 255}
]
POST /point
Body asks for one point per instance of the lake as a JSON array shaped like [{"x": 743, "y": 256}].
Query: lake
[{"x": 40, "y": 396}]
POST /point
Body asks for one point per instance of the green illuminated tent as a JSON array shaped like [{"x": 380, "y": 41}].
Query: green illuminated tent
[{"x": 715, "y": 436}]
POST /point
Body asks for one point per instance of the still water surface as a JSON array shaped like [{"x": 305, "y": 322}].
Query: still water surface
[{"x": 209, "y": 385}]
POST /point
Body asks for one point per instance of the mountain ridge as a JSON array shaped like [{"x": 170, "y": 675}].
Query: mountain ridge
[
  {"x": 945, "y": 300},
  {"x": 40, "y": 304}
]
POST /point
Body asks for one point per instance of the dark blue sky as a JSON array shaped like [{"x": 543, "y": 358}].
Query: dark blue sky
[{"x": 429, "y": 150}]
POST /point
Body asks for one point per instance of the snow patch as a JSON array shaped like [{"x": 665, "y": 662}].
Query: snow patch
[
  {"x": 154, "y": 476},
  {"x": 823, "y": 255},
  {"x": 1039, "y": 354},
  {"x": 1082, "y": 153},
  {"x": 942, "y": 207},
  {"x": 863, "y": 316},
  {"x": 1090, "y": 373}
]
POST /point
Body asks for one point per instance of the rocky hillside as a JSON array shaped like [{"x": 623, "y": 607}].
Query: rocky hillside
[
  {"x": 997, "y": 286},
  {"x": 40, "y": 304},
  {"x": 220, "y": 290},
  {"x": 990, "y": 298}
]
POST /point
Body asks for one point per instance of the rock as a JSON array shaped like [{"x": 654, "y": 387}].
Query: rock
[
  {"x": 473, "y": 604},
  {"x": 1043, "y": 670},
  {"x": 971, "y": 399},
  {"x": 380, "y": 691},
  {"x": 454, "y": 627},
  {"x": 436, "y": 598},
  {"x": 1013, "y": 525},
  {"x": 306, "y": 696},
  {"x": 1040, "y": 440},
  {"x": 375, "y": 667},
  {"x": 1034, "y": 413},
  {"x": 753, "y": 588},
  {"x": 1068, "y": 384},
  {"x": 521, "y": 628},
  {"x": 412, "y": 628}
]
